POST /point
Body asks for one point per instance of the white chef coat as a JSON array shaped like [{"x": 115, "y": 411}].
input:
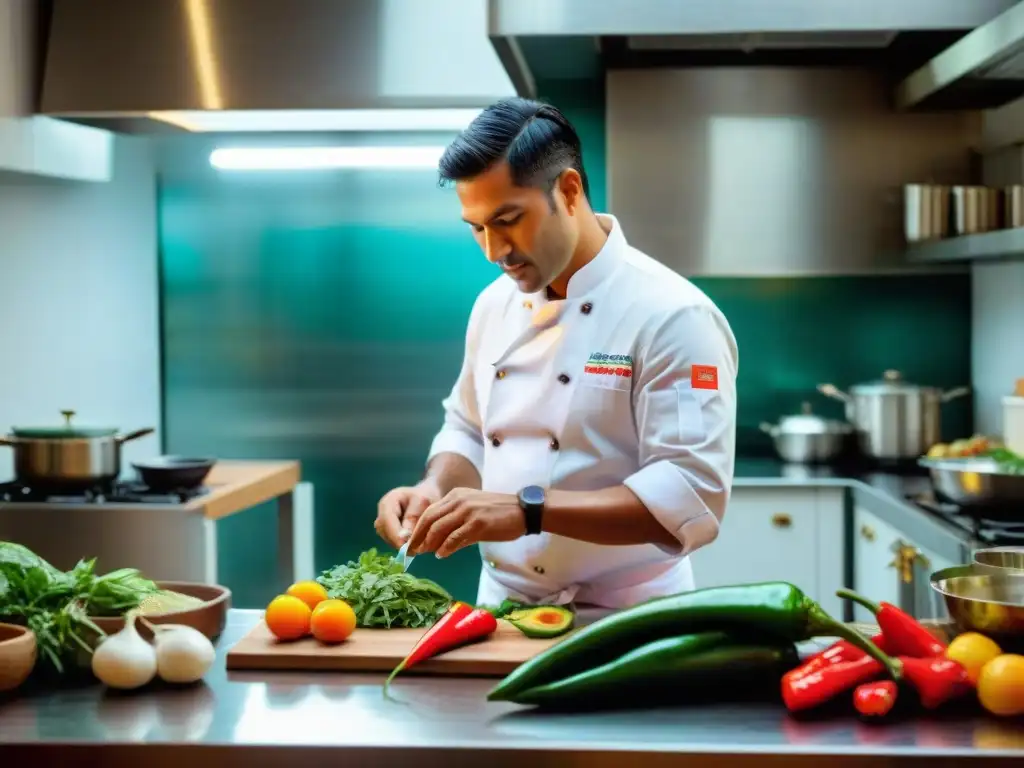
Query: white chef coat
[{"x": 628, "y": 380}]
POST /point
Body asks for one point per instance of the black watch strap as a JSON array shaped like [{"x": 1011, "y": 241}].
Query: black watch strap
[{"x": 531, "y": 501}]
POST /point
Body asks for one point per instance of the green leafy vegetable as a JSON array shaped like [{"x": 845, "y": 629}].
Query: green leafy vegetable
[
  {"x": 56, "y": 605},
  {"x": 1009, "y": 462},
  {"x": 383, "y": 595}
]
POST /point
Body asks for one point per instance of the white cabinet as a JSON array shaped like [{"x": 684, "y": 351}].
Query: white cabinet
[
  {"x": 889, "y": 567},
  {"x": 779, "y": 534},
  {"x": 46, "y": 147}
]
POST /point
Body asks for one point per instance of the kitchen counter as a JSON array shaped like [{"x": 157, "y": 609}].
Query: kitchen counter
[
  {"x": 884, "y": 493},
  {"x": 172, "y": 541},
  {"x": 312, "y": 719}
]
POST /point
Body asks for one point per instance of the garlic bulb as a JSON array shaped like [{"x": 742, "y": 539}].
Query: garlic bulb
[
  {"x": 183, "y": 654},
  {"x": 124, "y": 660}
]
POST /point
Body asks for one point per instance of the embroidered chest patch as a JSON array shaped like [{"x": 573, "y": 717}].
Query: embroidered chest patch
[{"x": 601, "y": 364}]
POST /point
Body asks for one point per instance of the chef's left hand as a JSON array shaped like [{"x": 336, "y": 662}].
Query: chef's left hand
[{"x": 465, "y": 517}]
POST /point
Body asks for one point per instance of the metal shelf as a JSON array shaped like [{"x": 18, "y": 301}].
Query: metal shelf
[{"x": 1001, "y": 244}]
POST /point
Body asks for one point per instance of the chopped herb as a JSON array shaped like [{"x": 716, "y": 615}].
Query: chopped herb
[{"x": 383, "y": 595}]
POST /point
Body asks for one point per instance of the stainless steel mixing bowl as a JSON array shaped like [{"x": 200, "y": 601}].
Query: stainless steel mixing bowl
[
  {"x": 984, "y": 601},
  {"x": 1000, "y": 560}
]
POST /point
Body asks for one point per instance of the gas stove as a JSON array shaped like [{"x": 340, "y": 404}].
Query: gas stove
[
  {"x": 118, "y": 492},
  {"x": 997, "y": 526}
]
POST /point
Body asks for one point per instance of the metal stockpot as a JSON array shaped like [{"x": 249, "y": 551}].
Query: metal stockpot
[
  {"x": 68, "y": 456},
  {"x": 894, "y": 420}
]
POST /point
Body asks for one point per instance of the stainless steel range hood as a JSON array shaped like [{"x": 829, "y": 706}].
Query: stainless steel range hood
[
  {"x": 243, "y": 65},
  {"x": 539, "y": 39},
  {"x": 984, "y": 69}
]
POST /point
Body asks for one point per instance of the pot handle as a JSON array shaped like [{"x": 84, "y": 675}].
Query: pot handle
[
  {"x": 12, "y": 441},
  {"x": 953, "y": 394},
  {"x": 768, "y": 429},
  {"x": 134, "y": 435},
  {"x": 831, "y": 390}
]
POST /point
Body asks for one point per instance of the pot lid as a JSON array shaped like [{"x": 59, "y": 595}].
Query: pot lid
[
  {"x": 891, "y": 383},
  {"x": 66, "y": 432},
  {"x": 806, "y": 423}
]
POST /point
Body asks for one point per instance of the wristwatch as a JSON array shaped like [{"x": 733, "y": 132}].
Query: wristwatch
[{"x": 531, "y": 501}]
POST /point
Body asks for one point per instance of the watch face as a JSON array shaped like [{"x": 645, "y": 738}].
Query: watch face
[{"x": 532, "y": 494}]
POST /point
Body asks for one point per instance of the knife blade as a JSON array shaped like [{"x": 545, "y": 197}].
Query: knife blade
[{"x": 404, "y": 557}]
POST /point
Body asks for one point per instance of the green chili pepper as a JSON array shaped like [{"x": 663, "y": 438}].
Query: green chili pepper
[
  {"x": 690, "y": 666},
  {"x": 774, "y": 609}
]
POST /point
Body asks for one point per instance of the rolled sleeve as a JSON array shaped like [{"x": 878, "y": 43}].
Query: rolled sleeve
[
  {"x": 461, "y": 431},
  {"x": 685, "y": 406}
]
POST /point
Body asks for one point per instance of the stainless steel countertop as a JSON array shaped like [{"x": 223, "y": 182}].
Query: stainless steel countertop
[{"x": 262, "y": 719}]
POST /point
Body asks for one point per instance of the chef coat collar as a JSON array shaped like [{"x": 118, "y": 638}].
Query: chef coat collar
[{"x": 599, "y": 268}]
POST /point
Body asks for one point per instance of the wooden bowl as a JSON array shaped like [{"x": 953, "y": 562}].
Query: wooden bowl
[
  {"x": 17, "y": 655},
  {"x": 209, "y": 618}
]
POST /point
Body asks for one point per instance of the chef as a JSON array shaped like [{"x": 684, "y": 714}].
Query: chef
[{"x": 588, "y": 442}]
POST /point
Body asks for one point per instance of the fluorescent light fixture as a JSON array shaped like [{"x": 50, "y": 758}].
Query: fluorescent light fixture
[
  {"x": 317, "y": 158},
  {"x": 311, "y": 120}
]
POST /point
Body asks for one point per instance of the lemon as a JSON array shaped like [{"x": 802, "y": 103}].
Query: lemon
[
  {"x": 972, "y": 651},
  {"x": 1001, "y": 685}
]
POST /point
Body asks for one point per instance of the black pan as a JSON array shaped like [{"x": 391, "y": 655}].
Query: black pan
[{"x": 174, "y": 473}]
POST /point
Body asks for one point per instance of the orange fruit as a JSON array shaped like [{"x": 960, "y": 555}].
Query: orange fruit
[
  {"x": 972, "y": 651},
  {"x": 1001, "y": 685},
  {"x": 332, "y": 621},
  {"x": 287, "y": 617},
  {"x": 309, "y": 592}
]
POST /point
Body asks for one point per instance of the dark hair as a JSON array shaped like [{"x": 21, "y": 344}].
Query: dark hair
[{"x": 536, "y": 139}]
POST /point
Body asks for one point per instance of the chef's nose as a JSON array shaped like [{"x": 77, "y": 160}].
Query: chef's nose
[{"x": 496, "y": 247}]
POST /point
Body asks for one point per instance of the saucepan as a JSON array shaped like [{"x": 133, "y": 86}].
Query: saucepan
[
  {"x": 68, "y": 456},
  {"x": 805, "y": 438}
]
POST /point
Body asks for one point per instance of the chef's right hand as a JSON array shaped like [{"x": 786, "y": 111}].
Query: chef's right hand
[{"x": 398, "y": 511}]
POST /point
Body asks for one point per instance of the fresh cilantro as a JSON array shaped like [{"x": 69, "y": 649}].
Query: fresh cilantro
[{"x": 383, "y": 595}]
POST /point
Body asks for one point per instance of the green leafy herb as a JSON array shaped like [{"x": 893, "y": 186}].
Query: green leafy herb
[
  {"x": 384, "y": 595},
  {"x": 56, "y": 605}
]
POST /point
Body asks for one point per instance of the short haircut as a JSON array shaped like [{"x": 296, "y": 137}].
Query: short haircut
[{"x": 536, "y": 139}]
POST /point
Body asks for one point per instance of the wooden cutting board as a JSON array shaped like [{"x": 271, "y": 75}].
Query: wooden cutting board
[{"x": 381, "y": 650}]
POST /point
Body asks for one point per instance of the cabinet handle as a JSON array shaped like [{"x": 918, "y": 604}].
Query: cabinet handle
[
  {"x": 782, "y": 520},
  {"x": 907, "y": 557},
  {"x": 867, "y": 532}
]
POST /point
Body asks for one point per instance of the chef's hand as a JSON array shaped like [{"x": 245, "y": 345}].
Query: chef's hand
[
  {"x": 465, "y": 517},
  {"x": 400, "y": 509}
]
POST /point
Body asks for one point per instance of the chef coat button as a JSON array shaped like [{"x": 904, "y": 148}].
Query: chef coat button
[
  {"x": 554, "y": 444},
  {"x": 538, "y": 569},
  {"x": 495, "y": 441},
  {"x": 492, "y": 564},
  {"x": 528, "y": 305},
  {"x": 585, "y": 309},
  {"x": 564, "y": 378},
  {"x": 499, "y": 375}
]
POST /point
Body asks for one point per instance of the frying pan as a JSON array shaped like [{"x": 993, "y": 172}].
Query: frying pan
[{"x": 174, "y": 473}]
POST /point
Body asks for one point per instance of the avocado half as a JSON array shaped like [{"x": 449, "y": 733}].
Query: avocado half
[{"x": 544, "y": 621}]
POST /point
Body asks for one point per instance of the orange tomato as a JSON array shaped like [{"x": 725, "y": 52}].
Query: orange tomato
[
  {"x": 309, "y": 592},
  {"x": 287, "y": 617},
  {"x": 332, "y": 621}
]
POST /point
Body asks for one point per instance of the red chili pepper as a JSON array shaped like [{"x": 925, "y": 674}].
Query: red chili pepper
[
  {"x": 803, "y": 691},
  {"x": 460, "y": 625},
  {"x": 837, "y": 653},
  {"x": 875, "y": 699},
  {"x": 903, "y": 635},
  {"x": 936, "y": 680}
]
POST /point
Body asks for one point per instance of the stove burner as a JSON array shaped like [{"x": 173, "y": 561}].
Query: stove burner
[
  {"x": 993, "y": 525},
  {"x": 119, "y": 492}
]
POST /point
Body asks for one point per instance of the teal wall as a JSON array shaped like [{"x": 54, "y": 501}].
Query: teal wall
[{"x": 320, "y": 316}]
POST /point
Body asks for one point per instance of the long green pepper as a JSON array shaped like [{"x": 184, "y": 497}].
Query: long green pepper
[
  {"x": 685, "y": 667},
  {"x": 770, "y": 611}
]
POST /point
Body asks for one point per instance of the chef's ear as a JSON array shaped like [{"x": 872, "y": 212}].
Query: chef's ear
[{"x": 570, "y": 184}]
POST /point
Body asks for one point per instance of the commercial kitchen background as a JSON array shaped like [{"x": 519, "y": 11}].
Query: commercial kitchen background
[{"x": 320, "y": 316}]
